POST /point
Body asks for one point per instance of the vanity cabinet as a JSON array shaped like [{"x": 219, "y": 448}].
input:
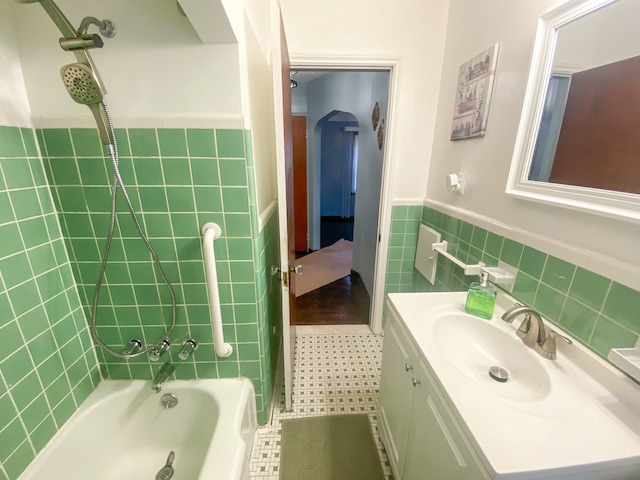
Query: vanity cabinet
[{"x": 421, "y": 436}]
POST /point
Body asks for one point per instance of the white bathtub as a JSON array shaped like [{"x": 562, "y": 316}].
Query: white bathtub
[{"x": 123, "y": 431}]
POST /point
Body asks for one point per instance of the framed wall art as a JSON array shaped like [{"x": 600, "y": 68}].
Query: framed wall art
[{"x": 473, "y": 95}]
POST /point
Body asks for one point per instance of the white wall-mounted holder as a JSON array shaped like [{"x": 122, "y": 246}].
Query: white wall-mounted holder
[
  {"x": 454, "y": 183},
  {"x": 499, "y": 276},
  {"x": 426, "y": 259},
  {"x": 475, "y": 269},
  {"x": 429, "y": 245},
  {"x": 626, "y": 359}
]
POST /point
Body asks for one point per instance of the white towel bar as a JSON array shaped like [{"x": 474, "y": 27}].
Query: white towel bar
[
  {"x": 212, "y": 231},
  {"x": 441, "y": 247}
]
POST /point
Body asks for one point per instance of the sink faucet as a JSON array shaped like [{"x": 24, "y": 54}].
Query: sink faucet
[
  {"x": 533, "y": 332},
  {"x": 531, "y": 329},
  {"x": 163, "y": 375}
]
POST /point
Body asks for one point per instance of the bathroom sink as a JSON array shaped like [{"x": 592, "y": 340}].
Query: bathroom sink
[
  {"x": 569, "y": 416},
  {"x": 473, "y": 346}
]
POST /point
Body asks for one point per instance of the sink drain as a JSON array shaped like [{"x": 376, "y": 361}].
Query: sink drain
[{"x": 499, "y": 374}]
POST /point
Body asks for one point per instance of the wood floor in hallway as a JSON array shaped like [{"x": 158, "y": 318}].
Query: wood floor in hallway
[{"x": 343, "y": 302}]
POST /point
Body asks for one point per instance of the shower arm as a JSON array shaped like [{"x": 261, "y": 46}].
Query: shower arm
[{"x": 105, "y": 26}]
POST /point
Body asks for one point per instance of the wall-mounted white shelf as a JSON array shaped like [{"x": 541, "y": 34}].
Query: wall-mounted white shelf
[{"x": 627, "y": 359}]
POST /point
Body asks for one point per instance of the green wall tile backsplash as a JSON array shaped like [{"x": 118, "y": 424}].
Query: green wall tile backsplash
[
  {"x": 177, "y": 180},
  {"x": 47, "y": 362},
  {"x": 600, "y": 312}
]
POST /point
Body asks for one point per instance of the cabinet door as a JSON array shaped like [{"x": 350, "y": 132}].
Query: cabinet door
[
  {"x": 436, "y": 448},
  {"x": 396, "y": 395}
]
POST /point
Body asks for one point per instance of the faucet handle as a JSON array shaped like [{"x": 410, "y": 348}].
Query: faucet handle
[
  {"x": 132, "y": 347},
  {"x": 188, "y": 347},
  {"x": 525, "y": 326},
  {"x": 159, "y": 348},
  {"x": 548, "y": 348},
  {"x": 553, "y": 335}
]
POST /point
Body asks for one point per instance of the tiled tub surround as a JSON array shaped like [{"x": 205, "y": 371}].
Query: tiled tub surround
[
  {"x": 47, "y": 363},
  {"x": 177, "y": 179},
  {"x": 600, "y": 312}
]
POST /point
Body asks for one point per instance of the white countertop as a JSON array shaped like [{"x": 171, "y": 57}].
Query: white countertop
[{"x": 585, "y": 420}]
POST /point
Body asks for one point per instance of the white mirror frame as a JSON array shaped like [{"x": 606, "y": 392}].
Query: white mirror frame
[{"x": 625, "y": 206}]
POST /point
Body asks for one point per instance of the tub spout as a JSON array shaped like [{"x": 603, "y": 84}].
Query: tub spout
[{"x": 163, "y": 375}]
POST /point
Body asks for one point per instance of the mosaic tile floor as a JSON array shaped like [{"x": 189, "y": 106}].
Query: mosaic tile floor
[{"x": 334, "y": 373}]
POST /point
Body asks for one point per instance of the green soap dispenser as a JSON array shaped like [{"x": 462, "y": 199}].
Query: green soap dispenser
[{"x": 481, "y": 298}]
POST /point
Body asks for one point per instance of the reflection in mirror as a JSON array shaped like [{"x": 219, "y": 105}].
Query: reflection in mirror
[
  {"x": 579, "y": 137},
  {"x": 588, "y": 133}
]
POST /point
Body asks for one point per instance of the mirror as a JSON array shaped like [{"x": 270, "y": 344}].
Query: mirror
[{"x": 578, "y": 142}]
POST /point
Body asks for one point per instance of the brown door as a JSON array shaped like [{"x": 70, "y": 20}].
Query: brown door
[
  {"x": 284, "y": 171},
  {"x": 300, "y": 181}
]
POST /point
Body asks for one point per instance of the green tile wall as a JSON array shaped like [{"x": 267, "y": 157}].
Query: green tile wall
[
  {"x": 177, "y": 179},
  {"x": 401, "y": 274},
  {"x": 598, "y": 311},
  {"x": 47, "y": 363},
  {"x": 269, "y": 309}
]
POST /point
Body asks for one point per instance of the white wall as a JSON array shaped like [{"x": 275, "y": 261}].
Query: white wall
[
  {"x": 485, "y": 161},
  {"x": 155, "y": 65},
  {"x": 256, "y": 79},
  {"x": 355, "y": 93},
  {"x": 14, "y": 105},
  {"x": 410, "y": 30}
]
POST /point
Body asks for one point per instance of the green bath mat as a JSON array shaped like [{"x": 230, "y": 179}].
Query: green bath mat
[{"x": 337, "y": 447}]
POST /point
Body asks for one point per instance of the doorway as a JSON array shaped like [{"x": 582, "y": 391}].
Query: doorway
[{"x": 343, "y": 167}]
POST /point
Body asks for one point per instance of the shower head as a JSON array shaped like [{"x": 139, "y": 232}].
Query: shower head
[
  {"x": 85, "y": 87},
  {"x": 82, "y": 83}
]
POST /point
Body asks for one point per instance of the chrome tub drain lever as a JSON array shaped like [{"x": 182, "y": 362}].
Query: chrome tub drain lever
[{"x": 168, "y": 400}]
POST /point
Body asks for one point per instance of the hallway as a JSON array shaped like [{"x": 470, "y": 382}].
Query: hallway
[
  {"x": 337, "y": 371},
  {"x": 343, "y": 302}
]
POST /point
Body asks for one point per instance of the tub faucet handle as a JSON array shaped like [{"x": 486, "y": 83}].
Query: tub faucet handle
[
  {"x": 132, "y": 347},
  {"x": 159, "y": 348},
  {"x": 188, "y": 347}
]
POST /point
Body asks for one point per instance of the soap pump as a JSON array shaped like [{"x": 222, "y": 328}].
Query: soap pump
[{"x": 481, "y": 298}]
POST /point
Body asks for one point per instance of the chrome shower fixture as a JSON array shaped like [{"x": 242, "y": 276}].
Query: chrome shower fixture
[
  {"x": 82, "y": 79},
  {"x": 84, "y": 40},
  {"x": 106, "y": 27},
  {"x": 81, "y": 83}
]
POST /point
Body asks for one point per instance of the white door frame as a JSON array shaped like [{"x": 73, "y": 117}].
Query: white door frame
[{"x": 392, "y": 64}]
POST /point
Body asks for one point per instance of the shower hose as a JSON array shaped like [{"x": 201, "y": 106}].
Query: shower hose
[{"x": 117, "y": 182}]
